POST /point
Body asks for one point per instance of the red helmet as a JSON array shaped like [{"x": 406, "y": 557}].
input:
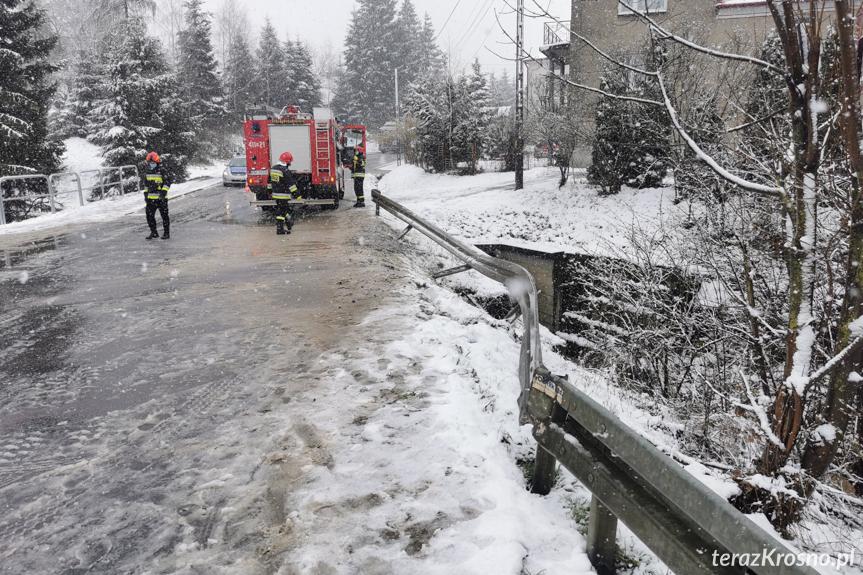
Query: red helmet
[
  {"x": 361, "y": 149},
  {"x": 154, "y": 157},
  {"x": 286, "y": 157}
]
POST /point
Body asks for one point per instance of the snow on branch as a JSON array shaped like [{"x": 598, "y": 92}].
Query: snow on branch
[
  {"x": 7, "y": 121},
  {"x": 666, "y": 35},
  {"x": 714, "y": 165},
  {"x": 18, "y": 169},
  {"x": 10, "y": 54},
  {"x": 763, "y": 421},
  {"x": 834, "y": 361},
  {"x": 14, "y": 97}
]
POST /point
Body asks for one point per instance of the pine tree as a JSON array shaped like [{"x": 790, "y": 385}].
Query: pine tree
[
  {"x": 304, "y": 87},
  {"x": 81, "y": 97},
  {"x": 428, "y": 106},
  {"x": 430, "y": 58},
  {"x": 365, "y": 92},
  {"x": 140, "y": 107},
  {"x": 502, "y": 90},
  {"x": 631, "y": 142},
  {"x": 199, "y": 80},
  {"x": 410, "y": 42},
  {"x": 239, "y": 77},
  {"x": 473, "y": 114},
  {"x": 26, "y": 90},
  {"x": 271, "y": 87}
]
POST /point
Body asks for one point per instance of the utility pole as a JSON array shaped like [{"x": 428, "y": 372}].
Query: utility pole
[
  {"x": 398, "y": 123},
  {"x": 519, "y": 98}
]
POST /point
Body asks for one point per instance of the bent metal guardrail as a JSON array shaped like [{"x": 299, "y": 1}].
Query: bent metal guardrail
[
  {"x": 104, "y": 181},
  {"x": 689, "y": 527}
]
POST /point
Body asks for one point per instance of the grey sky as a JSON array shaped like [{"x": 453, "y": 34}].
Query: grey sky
[{"x": 472, "y": 24}]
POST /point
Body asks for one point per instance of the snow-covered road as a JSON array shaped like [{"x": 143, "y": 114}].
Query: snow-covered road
[{"x": 236, "y": 402}]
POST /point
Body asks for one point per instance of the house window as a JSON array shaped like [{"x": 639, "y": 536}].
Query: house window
[{"x": 649, "y": 6}]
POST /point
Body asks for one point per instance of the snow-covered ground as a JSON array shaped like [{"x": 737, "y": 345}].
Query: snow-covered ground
[
  {"x": 485, "y": 209},
  {"x": 438, "y": 460}
]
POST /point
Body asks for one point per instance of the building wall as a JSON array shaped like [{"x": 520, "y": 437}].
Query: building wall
[{"x": 744, "y": 27}]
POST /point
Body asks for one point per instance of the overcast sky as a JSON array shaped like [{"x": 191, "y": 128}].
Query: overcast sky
[{"x": 471, "y": 26}]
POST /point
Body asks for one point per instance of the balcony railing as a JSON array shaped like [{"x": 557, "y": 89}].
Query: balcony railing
[{"x": 555, "y": 33}]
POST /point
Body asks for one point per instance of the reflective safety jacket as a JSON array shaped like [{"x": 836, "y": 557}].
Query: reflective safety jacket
[
  {"x": 283, "y": 183},
  {"x": 157, "y": 182},
  {"x": 359, "y": 167}
]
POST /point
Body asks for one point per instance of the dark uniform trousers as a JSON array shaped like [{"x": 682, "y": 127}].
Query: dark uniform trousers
[
  {"x": 359, "y": 176},
  {"x": 161, "y": 205},
  {"x": 284, "y": 188}
]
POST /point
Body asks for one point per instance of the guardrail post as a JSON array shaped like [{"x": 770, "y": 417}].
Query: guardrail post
[
  {"x": 601, "y": 537},
  {"x": 50, "y": 181},
  {"x": 407, "y": 230},
  {"x": 543, "y": 472},
  {"x": 2, "y": 208},
  {"x": 80, "y": 189}
]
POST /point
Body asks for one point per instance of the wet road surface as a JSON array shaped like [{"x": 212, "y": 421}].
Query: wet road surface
[{"x": 133, "y": 374}]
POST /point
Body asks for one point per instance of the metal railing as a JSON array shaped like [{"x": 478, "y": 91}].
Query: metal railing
[
  {"x": 518, "y": 281},
  {"x": 103, "y": 180},
  {"x": 555, "y": 33},
  {"x": 689, "y": 527}
]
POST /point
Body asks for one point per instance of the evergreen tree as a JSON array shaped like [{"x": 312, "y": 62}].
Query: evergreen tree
[
  {"x": 409, "y": 39},
  {"x": 502, "y": 89},
  {"x": 428, "y": 104},
  {"x": 304, "y": 87},
  {"x": 140, "y": 108},
  {"x": 199, "y": 80},
  {"x": 365, "y": 92},
  {"x": 430, "y": 57},
  {"x": 631, "y": 142},
  {"x": 25, "y": 90},
  {"x": 271, "y": 87},
  {"x": 239, "y": 77},
  {"x": 473, "y": 115},
  {"x": 83, "y": 94}
]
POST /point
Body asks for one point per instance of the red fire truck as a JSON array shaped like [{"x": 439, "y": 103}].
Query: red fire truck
[{"x": 322, "y": 148}]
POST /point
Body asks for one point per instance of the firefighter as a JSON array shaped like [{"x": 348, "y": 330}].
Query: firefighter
[
  {"x": 358, "y": 173},
  {"x": 156, "y": 196},
  {"x": 284, "y": 186}
]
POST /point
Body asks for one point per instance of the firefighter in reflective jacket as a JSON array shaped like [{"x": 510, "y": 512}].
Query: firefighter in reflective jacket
[
  {"x": 156, "y": 195},
  {"x": 284, "y": 186},
  {"x": 358, "y": 173}
]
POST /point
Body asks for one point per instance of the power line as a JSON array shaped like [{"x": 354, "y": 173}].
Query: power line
[
  {"x": 475, "y": 21},
  {"x": 447, "y": 19},
  {"x": 487, "y": 34}
]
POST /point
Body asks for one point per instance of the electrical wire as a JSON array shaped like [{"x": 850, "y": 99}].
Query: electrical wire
[
  {"x": 454, "y": 8},
  {"x": 475, "y": 21}
]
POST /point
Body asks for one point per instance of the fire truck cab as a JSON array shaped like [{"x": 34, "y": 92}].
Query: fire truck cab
[{"x": 322, "y": 150}]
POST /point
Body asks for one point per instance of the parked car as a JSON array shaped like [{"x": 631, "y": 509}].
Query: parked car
[{"x": 235, "y": 172}]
